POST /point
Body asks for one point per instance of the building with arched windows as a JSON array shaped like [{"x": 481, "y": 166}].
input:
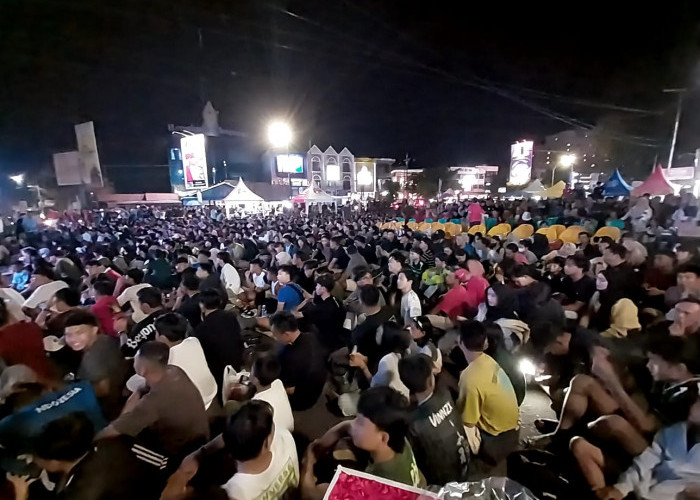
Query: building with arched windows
[{"x": 332, "y": 171}]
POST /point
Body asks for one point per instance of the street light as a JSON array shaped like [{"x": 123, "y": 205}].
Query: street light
[
  {"x": 364, "y": 178},
  {"x": 565, "y": 161},
  {"x": 279, "y": 134},
  {"x": 17, "y": 179}
]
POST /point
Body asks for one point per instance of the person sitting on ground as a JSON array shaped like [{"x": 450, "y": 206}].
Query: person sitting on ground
[
  {"x": 425, "y": 341},
  {"x": 395, "y": 342},
  {"x": 611, "y": 312},
  {"x": 21, "y": 343},
  {"x": 42, "y": 287},
  {"x": 105, "y": 305},
  {"x": 688, "y": 279},
  {"x": 219, "y": 334},
  {"x": 187, "y": 301},
  {"x": 381, "y": 429},
  {"x": 496, "y": 348},
  {"x": 65, "y": 449},
  {"x": 158, "y": 272},
  {"x": 578, "y": 288},
  {"x": 165, "y": 432},
  {"x": 410, "y": 302},
  {"x": 102, "y": 364},
  {"x": 324, "y": 315},
  {"x": 209, "y": 279},
  {"x": 265, "y": 377},
  {"x": 302, "y": 360},
  {"x": 554, "y": 275},
  {"x": 361, "y": 276},
  {"x": 436, "y": 432},
  {"x": 666, "y": 469},
  {"x": 51, "y": 318},
  {"x": 266, "y": 459},
  {"x": 186, "y": 353},
  {"x": 674, "y": 366},
  {"x": 535, "y": 304},
  {"x": 487, "y": 401},
  {"x": 151, "y": 304},
  {"x": 367, "y": 336},
  {"x": 127, "y": 289}
]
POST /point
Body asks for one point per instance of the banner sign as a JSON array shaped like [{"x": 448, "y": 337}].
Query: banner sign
[
  {"x": 89, "y": 159},
  {"x": 520, "y": 163},
  {"x": 194, "y": 161}
]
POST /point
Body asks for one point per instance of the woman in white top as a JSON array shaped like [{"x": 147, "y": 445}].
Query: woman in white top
[{"x": 422, "y": 334}]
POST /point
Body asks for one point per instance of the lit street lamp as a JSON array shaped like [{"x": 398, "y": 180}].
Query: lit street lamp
[
  {"x": 17, "y": 179},
  {"x": 565, "y": 161},
  {"x": 364, "y": 178},
  {"x": 280, "y": 135}
]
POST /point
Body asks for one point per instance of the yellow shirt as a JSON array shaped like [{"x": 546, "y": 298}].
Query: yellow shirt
[{"x": 486, "y": 397}]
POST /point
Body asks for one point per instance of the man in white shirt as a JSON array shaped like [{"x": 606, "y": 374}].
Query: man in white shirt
[
  {"x": 410, "y": 303},
  {"x": 266, "y": 458},
  {"x": 127, "y": 288},
  {"x": 268, "y": 387},
  {"x": 186, "y": 353},
  {"x": 229, "y": 275},
  {"x": 44, "y": 286}
]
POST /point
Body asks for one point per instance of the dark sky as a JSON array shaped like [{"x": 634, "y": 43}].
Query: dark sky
[{"x": 448, "y": 82}]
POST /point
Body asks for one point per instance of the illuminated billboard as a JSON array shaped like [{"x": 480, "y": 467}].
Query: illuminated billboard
[
  {"x": 290, "y": 164},
  {"x": 520, "y": 163},
  {"x": 194, "y": 161}
]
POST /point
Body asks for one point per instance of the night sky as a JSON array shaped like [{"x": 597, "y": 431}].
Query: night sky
[{"x": 447, "y": 82}]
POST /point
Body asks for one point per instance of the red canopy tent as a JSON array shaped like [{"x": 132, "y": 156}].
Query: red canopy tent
[{"x": 656, "y": 184}]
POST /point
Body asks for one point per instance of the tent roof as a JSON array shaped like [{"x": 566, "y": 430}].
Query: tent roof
[
  {"x": 217, "y": 192},
  {"x": 314, "y": 194},
  {"x": 616, "y": 185},
  {"x": 655, "y": 185},
  {"x": 555, "y": 191},
  {"x": 535, "y": 187},
  {"x": 242, "y": 194}
]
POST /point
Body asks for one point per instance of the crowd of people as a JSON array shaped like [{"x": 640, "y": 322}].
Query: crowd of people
[{"x": 184, "y": 354}]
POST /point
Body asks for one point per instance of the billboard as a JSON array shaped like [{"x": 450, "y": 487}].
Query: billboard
[
  {"x": 67, "y": 167},
  {"x": 89, "y": 159},
  {"x": 194, "y": 161},
  {"x": 290, "y": 163},
  {"x": 520, "y": 163}
]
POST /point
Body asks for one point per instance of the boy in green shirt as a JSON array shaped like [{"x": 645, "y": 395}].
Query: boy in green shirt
[{"x": 380, "y": 428}]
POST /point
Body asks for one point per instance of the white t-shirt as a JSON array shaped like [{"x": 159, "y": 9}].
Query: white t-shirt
[
  {"x": 44, "y": 293},
  {"x": 388, "y": 374},
  {"x": 410, "y": 307},
  {"x": 13, "y": 301},
  {"x": 280, "y": 476},
  {"x": 189, "y": 356},
  {"x": 259, "y": 279},
  {"x": 278, "y": 399},
  {"x": 130, "y": 295},
  {"x": 230, "y": 278}
]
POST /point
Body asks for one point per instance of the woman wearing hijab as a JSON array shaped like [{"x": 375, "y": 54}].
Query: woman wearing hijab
[
  {"x": 540, "y": 245},
  {"x": 500, "y": 307},
  {"x": 611, "y": 313}
]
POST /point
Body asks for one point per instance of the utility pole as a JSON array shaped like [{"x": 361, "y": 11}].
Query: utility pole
[{"x": 679, "y": 108}]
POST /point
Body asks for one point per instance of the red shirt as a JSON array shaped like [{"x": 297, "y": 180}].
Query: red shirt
[
  {"x": 103, "y": 308},
  {"x": 476, "y": 292},
  {"x": 454, "y": 302},
  {"x": 23, "y": 344}
]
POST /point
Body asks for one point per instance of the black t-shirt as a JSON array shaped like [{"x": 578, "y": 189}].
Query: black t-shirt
[
  {"x": 304, "y": 368},
  {"x": 110, "y": 471},
  {"x": 579, "y": 291},
  {"x": 104, "y": 361},
  {"x": 189, "y": 308},
  {"x": 219, "y": 333},
  {"x": 438, "y": 440},
  {"x": 364, "y": 336},
  {"x": 141, "y": 332},
  {"x": 327, "y": 316},
  {"x": 341, "y": 258},
  {"x": 672, "y": 402},
  {"x": 307, "y": 283}
]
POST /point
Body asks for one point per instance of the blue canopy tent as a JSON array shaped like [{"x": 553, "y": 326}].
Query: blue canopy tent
[{"x": 616, "y": 185}]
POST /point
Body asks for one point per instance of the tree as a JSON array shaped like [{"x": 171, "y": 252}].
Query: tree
[
  {"x": 393, "y": 189},
  {"x": 427, "y": 182}
]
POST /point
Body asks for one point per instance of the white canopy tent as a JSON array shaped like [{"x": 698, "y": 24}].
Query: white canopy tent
[{"x": 314, "y": 194}]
